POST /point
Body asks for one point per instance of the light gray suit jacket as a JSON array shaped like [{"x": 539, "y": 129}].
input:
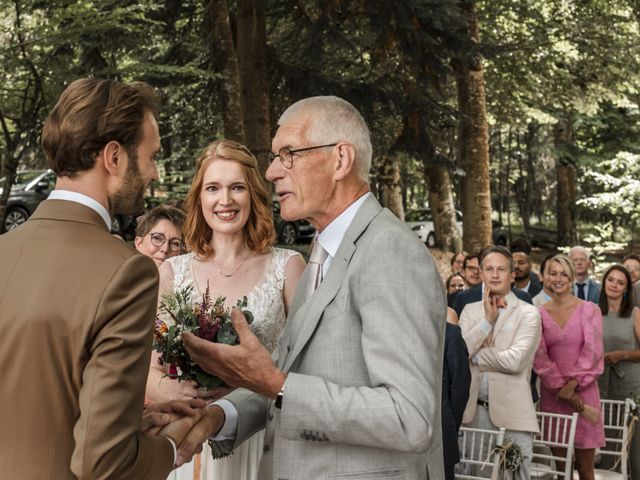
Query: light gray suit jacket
[{"x": 364, "y": 361}]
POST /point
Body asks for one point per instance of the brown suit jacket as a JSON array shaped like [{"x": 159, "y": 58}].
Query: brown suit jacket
[{"x": 77, "y": 308}]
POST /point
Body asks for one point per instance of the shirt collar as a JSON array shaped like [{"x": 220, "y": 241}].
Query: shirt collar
[
  {"x": 84, "y": 200},
  {"x": 331, "y": 237}
]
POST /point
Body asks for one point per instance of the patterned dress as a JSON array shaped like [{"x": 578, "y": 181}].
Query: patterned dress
[
  {"x": 266, "y": 302},
  {"x": 573, "y": 351}
]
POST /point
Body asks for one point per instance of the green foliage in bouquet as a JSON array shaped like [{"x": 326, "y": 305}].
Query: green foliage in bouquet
[{"x": 206, "y": 319}]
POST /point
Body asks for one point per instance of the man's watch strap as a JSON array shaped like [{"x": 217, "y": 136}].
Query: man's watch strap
[{"x": 278, "y": 400}]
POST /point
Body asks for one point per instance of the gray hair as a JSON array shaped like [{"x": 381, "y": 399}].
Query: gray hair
[
  {"x": 332, "y": 119},
  {"x": 580, "y": 248}
]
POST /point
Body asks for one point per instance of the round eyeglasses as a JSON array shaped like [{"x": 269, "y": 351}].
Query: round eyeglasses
[
  {"x": 158, "y": 240},
  {"x": 285, "y": 154}
]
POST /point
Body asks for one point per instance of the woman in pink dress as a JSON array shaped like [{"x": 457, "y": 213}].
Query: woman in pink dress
[{"x": 569, "y": 361}]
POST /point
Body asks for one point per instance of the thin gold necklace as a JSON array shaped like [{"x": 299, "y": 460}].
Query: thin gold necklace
[{"x": 229, "y": 275}]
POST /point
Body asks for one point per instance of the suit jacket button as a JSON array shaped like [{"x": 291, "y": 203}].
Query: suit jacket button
[
  {"x": 270, "y": 416},
  {"x": 266, "y": 449}
]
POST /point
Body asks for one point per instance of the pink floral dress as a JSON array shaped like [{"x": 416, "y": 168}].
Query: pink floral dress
[{"x": 573, "y": 351}]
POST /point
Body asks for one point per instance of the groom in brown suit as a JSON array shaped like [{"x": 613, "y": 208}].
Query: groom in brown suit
[{"x": 77, "y": 305}]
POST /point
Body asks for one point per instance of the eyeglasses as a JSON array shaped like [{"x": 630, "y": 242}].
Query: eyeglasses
[
  {"x": 471, "y": 268},
  {"x": 286, "y": 154},
  {"x": 158, "y": 240}
]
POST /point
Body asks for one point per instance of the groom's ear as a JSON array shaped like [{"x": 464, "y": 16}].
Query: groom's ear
[
  {"x": 114, "y": 158},
  {"x": 346, "y": 160}
]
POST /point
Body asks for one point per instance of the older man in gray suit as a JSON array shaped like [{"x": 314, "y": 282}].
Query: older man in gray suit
[{"x": 355, "y": 392}]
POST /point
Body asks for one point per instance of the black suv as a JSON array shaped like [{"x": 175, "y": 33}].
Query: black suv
[
  {"x": 32, "y": 187},
  {"x": 291, "y": 232}
]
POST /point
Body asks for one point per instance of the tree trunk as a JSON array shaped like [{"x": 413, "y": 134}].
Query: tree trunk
[
  {"x": 566, "y": 184},
  {"x": 442, "y": 209},
  {"x": 225, "y": 61},
  {"x": 473, "y": 142},
  {"x": 522, "y": 193},
  {"x": 390, "y": 190},
  {"x": 252, "y": 58},
  {"x": 501, "y": 179}
]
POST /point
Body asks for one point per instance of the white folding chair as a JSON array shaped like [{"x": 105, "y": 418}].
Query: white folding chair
[
  {"x": 617, "y": 416},
  {"x": 556, "y": 431},
  {"x": 476, "y": 457}
]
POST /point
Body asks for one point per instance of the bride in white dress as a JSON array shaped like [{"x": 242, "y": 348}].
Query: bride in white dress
[{"x": 229, "y": 231}]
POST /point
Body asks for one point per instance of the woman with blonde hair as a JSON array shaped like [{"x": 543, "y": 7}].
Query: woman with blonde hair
[
  {"x": 569, "y": 361},
  {"x": 229, "y": 233}
]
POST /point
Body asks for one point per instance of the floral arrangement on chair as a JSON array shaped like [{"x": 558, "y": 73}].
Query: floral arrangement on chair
[{"x": 511, "y": 455}]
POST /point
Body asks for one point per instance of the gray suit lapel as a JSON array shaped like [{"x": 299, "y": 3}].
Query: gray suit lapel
[{"x": 303, "y": 321}]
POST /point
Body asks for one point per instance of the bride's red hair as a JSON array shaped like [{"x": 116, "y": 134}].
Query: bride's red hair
[{"x": 259, "y": 231}]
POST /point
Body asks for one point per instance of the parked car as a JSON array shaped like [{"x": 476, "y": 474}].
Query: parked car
[
  {"x": 291, "y": 232},
  {"x": 29, "y": 189},
  {"x": 543, "y": 237},
  {"x": 32, "y": 187},
  {"x": 421, "y": 222}
]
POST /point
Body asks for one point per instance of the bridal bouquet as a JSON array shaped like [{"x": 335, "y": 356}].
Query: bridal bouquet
[{"x": 206, "y": 319}]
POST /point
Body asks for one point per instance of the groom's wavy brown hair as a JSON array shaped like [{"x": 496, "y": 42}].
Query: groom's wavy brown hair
[
  {"x": 259, "y": 230},
  {"x": 90, "y": 113}
]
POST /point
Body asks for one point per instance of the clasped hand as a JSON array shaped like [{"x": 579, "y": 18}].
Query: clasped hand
[{"x": 187, "y": 423}]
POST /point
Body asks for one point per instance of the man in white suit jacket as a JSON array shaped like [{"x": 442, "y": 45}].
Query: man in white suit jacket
[
  {"x": 502, "y": 334},
  {"x": 356, "y": 390}
]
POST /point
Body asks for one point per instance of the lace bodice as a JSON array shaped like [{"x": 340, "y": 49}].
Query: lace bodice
[{"x": 265, "y": 301}]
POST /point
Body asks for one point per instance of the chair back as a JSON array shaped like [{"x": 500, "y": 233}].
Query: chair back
[
  {"x": 556, "y": 431},
  {"x": 617, "y": 415},
  {"x": 477, "y": 453}
]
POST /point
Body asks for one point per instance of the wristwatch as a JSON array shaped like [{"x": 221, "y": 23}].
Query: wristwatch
[{"x": 279, "y": 397}]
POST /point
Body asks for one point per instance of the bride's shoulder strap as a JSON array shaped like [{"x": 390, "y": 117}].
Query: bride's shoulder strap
[
  {"x": 280, "y": 258},
  {"x": 180, "y": 266}
]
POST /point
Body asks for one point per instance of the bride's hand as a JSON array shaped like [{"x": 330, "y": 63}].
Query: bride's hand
[{"x": 174, "y": 390}]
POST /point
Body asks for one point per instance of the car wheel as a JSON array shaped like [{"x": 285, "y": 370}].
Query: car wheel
[
  {"x": 431, "y": 240},
  {"x": 15, "y": 217},
  {"x": 116, "y": 224},
  {"x": 288, "y": 234}
]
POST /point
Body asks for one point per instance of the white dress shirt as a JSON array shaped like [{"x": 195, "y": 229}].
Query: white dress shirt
[
  {"x": 330, "y": 239},
  {"x": 84, "y": 200}
]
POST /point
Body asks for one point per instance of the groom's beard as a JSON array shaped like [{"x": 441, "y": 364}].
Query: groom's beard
[{"x": 129, "y": 200}]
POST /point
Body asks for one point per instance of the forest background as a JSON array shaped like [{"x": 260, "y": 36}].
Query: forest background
[{"x": 518, "y": 112}]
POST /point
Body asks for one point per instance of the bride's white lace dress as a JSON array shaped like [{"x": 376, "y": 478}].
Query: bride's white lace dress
[{"x": 266, "y": 302}]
